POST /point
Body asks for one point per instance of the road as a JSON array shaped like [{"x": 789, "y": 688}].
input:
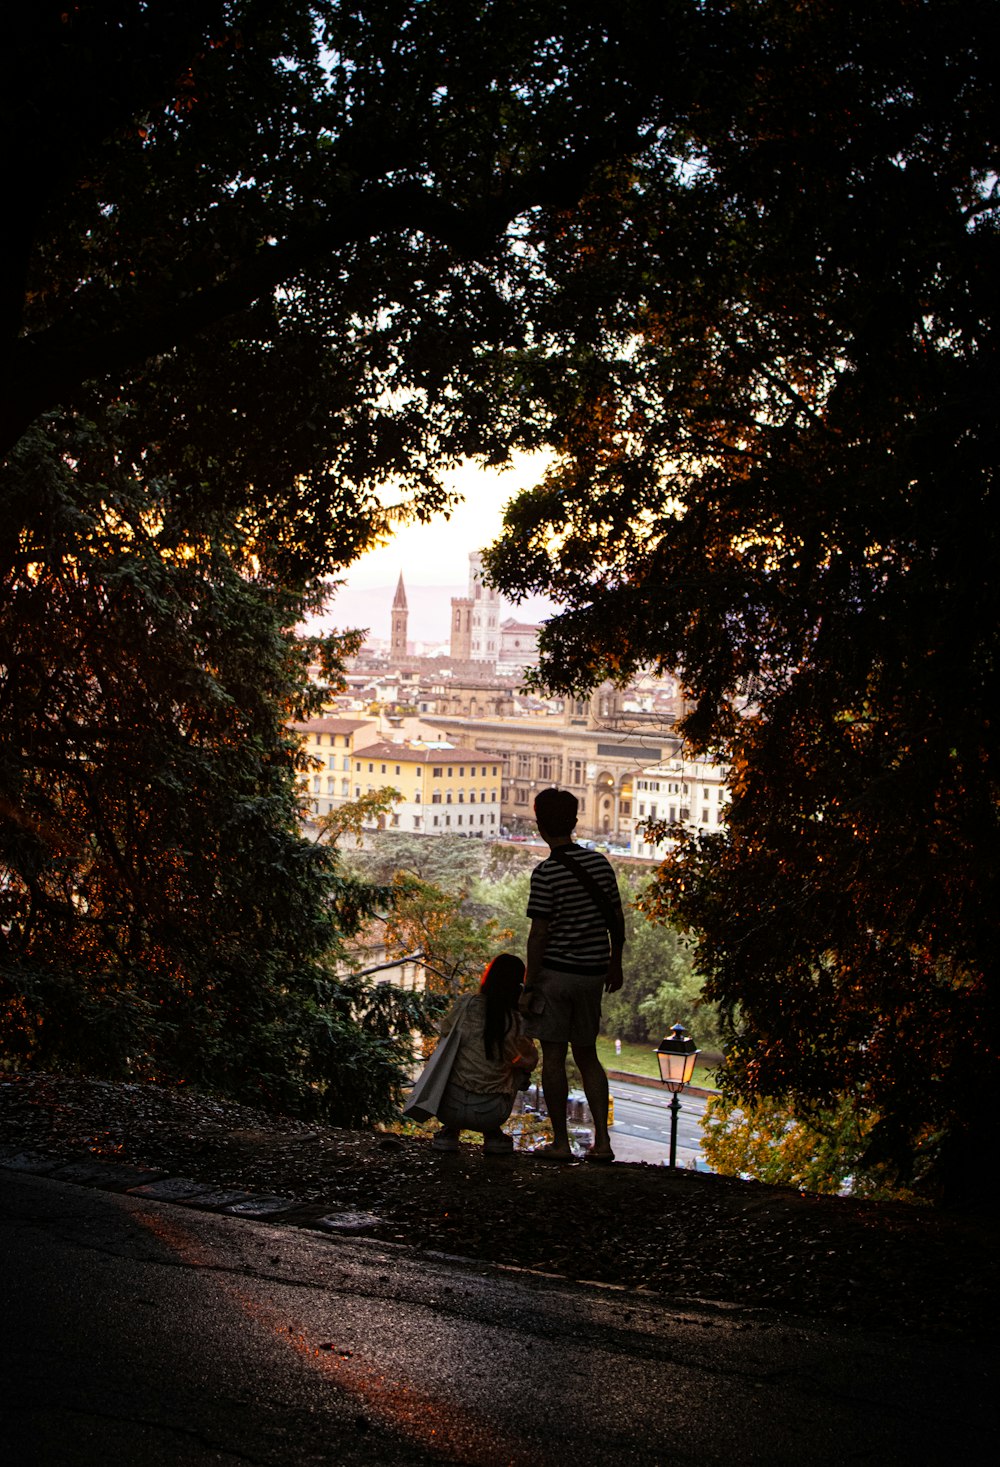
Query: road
[
  {"x": 148, "y": 1335},
  {"x": 644, "y": 1113},
  {"x": 641, "y": 1130}
]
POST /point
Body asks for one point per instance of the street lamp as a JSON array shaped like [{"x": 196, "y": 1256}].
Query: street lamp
[{"x": 676, "y": 1056}]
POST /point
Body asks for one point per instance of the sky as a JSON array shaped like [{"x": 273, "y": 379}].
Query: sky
[{"x": 435, "y": 556}]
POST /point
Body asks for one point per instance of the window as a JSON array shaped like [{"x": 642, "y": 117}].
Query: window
[
  {"x": 472, "y": 797},
  {"x": 315, "y": 784},
  {"x": 520, "y": 797},
  {"x": 436, "y": 821},
  {"x": 331, "y": 785},
  {"x": 447, "y": 798},
  {"x": 493, "y": 797},
  {"x": 524, "y": 765},
  {"x": 371, "y": 769},
  {"x": 397, "y": 768},
  {"x": 642, "y": 807},
  {"x": 576, "y": 771},
  {"x": 357, "y": 789},
  {"x": 685, "y": 813},
  {"x": 395, "y": 820},
  {"x": 626, "y": 807},
  {"x": 494, "y": 769},
  {"x": 436, "y": 797},
  {"x": 437, "y": 773},
  {"x": 652, "y": 812},
  {"x": 347, "y": 762},
  {"x": 461, "y": 771},
  {"x": 459, "y": 819},
  {"x": 383, "y": 769},
  {"x": 704, "y": 814},
  {"x": 357, "y": 768},
  {"x": 673, "y": 813},
  {"x": 345, "y": 787},
  {"x": 416, "y": 822},
  {"x": 331, "y": 763},
  {"x": 447, "y": 820},
  {"x": 546, "y": 766},
  {"x": 450, "y": 773},
  {"x": 461, "y": 797}
]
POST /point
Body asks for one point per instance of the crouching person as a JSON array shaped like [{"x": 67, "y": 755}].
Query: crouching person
[{"x": 493, "y": 1062}]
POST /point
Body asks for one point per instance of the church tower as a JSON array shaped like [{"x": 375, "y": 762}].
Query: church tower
[{"x": 397, "y": 641}]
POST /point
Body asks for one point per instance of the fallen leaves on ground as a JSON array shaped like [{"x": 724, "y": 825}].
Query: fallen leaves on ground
[{"x": 684, "y": 1235}]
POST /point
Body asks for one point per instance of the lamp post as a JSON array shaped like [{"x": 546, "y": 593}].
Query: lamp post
[{"x": 676, "y": 1056}]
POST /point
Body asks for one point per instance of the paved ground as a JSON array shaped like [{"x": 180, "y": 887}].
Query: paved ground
[
  {"x": 149, "y": 1334},
  {"x": 681, "y": 1235}
]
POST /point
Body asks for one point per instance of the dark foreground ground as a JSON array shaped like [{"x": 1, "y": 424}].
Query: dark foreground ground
[{"x": 683, "y": 1234}]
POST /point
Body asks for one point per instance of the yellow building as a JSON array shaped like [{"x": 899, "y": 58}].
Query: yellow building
[
  {"x": 445, "y": 791},
  {"x": 329, "y": 745}
]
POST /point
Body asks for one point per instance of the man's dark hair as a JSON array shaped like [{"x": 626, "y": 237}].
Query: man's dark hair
[{"x": 555, "y": 811}]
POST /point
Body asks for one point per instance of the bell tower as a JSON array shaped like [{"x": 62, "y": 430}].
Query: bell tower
[{"x": 397, "y": 639}]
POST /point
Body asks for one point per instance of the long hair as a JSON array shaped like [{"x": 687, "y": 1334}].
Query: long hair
[{"x": 501, "y": 989}]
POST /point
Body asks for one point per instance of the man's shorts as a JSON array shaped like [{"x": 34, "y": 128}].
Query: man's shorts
[{"x": 571, "y": 1008}]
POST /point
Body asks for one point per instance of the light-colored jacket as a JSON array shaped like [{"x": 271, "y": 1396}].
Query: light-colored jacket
[{"x": 473, "y": 1070}]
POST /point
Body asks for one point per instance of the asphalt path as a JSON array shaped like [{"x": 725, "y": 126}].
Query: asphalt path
[{"x": 135, "y": 1332}]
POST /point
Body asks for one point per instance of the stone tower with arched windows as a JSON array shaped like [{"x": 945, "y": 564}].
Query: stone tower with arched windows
[
  {"x": 461, "y": 628},
  {"x": 397, "y": 638},
  {"x": 485, "y": 628}
]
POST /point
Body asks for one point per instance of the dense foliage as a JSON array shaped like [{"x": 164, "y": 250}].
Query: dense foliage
[
  {"x": 160, "y": 916},
  {"x": 272, "y": 266},
  {"x": 776, "y": 344},
  {"x": 253, "y": 253},
  {"x": 772, "y": 1141}
]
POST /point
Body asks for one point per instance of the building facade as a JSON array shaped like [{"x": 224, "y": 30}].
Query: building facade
[
  {"x": 444, "y": 791},
  {"x": 688, "y": 792},
  {"x": 518, "y": 647},
  {"x": 484, "y": 640},
  {"x": 598, "y": 760},
  {"x": 328, "y": 746},
  {"x": 460, "y": 641}
]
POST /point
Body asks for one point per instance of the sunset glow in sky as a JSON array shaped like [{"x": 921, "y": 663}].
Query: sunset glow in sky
[{"x": 437, "y": 554}]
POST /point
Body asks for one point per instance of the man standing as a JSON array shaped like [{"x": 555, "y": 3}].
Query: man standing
[{"x": 574, "y": 953}]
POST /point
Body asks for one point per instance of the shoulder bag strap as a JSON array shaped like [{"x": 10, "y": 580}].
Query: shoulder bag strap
[{"x": 613, "y": 919}]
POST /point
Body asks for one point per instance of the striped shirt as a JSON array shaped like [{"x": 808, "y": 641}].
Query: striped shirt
[{"x": 577, "y": 939}]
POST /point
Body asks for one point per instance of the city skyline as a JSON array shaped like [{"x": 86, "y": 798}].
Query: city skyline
[{"x": 434, "y": 559}]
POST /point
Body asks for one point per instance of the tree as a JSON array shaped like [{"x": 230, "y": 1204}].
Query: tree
[
  {"x": 434, "y": 904},
  {"x": 448, "y": 861},
  {"x": 160, "y": 915},
  {"x": 255, "y": 256},
  {"x": 767, "y": 1140},
  {"x": 775, "y": 343}
]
